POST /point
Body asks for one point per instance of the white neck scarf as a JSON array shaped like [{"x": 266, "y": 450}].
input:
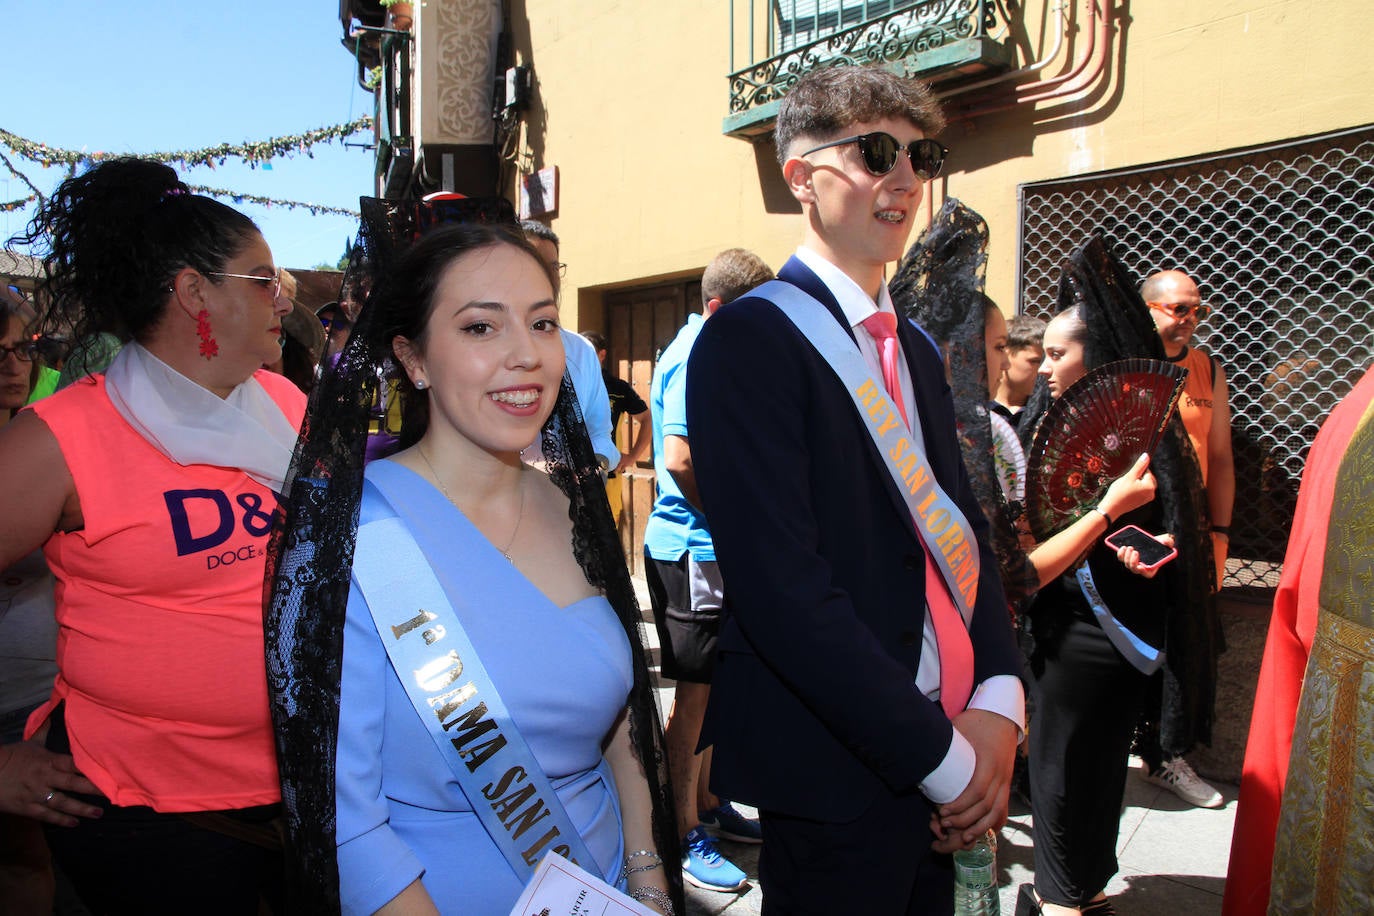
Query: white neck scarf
[{"x": 192, "y": 425}]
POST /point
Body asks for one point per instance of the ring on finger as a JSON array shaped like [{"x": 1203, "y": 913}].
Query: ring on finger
[{"x": 47, "y": 799}]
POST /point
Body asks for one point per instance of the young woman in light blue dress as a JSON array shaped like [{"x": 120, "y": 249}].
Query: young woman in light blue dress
[{"x": 470, "y": 316}]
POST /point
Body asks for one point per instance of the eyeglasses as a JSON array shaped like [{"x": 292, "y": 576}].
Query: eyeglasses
[
  {"x": 335, "y": 324},
  {"x": 272, "y": 283},
  {"x": 1181, "y": 310},
  {"x": 879, "y": 151},
  {"x": 24, "y": 352}
]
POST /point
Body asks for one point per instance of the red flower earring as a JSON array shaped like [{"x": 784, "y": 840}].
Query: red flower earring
[{"x": 209, "y": 347}]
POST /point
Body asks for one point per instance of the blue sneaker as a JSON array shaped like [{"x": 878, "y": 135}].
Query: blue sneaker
[
  {"x": 704, "y": 866},
  {"x": 725, "y": 823}
]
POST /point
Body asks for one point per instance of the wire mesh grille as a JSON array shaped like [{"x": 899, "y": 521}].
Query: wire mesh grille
[{"x": 1280, "y": 242}]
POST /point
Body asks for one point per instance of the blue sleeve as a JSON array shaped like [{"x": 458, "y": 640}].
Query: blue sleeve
[
  {"x": 592, "y": 398},
  {"x": 374, "y": 864},
  {"x": 675, "y": 401}
]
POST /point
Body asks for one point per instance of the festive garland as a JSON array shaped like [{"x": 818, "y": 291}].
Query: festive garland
[
  {"x": 5, "y": 161},
  {"x": 10, "y": 206},
  {"x": 239, "y": 197},
  {"x": 252, "y": 152}
]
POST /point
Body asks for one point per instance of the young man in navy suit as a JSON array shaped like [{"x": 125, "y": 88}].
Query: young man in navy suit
[{"x": 835, "y": 709}]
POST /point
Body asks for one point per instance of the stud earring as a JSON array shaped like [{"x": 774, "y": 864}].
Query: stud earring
[
  {"x": 209, "y": 347},
  {"x": 421, "y": 384}
]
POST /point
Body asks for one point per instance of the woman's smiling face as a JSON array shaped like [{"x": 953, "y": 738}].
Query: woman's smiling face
[{"x": 491, "y": 356}]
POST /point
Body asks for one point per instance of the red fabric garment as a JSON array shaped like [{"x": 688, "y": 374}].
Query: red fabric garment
[{"x": 1291, "y": 630}]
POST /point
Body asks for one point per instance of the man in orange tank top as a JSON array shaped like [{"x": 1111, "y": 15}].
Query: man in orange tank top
[{"x": 1177, "y": 308}]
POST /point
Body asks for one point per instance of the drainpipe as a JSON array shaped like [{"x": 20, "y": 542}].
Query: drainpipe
[
  {"x": 1027, "y": 70},
  {"x": 1096, "y": 56},
  {"x": 1085, "y": 70}
]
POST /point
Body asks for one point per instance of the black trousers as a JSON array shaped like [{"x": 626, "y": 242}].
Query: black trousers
[
  {"x": 879, "y": 865},
  {"x": 1087, "y": 698},
  {"x": 134, "y": 860}
]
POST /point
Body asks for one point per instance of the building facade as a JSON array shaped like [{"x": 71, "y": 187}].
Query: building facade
[{"x": 1233, "y": 140}]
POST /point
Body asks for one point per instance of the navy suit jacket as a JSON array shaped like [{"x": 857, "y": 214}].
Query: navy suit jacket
[{"x": 814, "y": 710}]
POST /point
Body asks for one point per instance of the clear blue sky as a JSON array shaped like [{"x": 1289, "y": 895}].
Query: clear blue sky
[{"x": 159, "y": 75}]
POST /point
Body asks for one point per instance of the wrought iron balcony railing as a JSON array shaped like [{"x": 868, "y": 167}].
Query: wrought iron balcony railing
[{"x": 784, "y": 39}]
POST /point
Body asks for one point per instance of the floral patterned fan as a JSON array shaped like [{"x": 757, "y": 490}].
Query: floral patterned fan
[{"x": 1093, "y": 434}]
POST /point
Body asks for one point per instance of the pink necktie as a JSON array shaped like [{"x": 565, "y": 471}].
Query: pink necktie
[
  {"x": 956, "y": 650},
  {"x": 883, "y": 327}
]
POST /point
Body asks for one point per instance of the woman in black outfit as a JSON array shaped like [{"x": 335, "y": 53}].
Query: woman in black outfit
[{"x": 1086, "y": 691}]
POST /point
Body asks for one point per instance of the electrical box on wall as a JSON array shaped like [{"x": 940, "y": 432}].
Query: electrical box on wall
[{"x": 515, "y": 89}]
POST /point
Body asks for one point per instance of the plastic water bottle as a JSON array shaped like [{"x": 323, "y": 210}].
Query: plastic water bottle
[{"x": 975, "y": 879}]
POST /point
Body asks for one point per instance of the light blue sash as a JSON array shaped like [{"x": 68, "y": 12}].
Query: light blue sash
[
  {"x": 943, "y": 528},
  {"x": 1144, "y": 657},
  {"x": 456, "y": 699}
]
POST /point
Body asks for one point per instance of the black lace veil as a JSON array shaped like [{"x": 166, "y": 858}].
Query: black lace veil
[
  {"x": 939, "y": 285},
  {"x": 310, "y": 556},
  {"x": 1118, "y": 327}
]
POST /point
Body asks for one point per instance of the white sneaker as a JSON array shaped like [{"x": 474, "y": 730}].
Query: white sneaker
[{"x": 1177, "y": 775}]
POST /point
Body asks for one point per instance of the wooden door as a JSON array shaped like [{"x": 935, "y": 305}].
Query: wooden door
[{"x": 640, "y": 323}]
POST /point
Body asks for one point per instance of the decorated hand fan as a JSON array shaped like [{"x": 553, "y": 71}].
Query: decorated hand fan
[{"x": 1093, "y": 434}]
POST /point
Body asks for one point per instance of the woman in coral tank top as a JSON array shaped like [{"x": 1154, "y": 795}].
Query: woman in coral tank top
[{"x": 151, "y": 489}]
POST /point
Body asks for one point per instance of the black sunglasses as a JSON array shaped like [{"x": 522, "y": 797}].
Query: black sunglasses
[{"x": 879, "y": 151}]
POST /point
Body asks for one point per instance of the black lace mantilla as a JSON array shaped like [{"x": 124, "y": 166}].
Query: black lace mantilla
[
  {"x": 310, "y": 557},
  {"x": 939, "y": 285},
  {"x": 1119, "y": 327}
]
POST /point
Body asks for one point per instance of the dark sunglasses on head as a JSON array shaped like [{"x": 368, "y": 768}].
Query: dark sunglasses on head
[
  {"x": 879, "y": 151},
  {"x": 1181, "y": 310}
]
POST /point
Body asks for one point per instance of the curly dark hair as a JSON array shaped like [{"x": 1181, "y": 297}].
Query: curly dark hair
[
  {"x": 112, "y": 239},
  {"x": 827, "y": 101}
]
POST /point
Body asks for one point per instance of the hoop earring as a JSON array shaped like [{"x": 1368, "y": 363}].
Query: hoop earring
[{"x": 209, "y": 347}]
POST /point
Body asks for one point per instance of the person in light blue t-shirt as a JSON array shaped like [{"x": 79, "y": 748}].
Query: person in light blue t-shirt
[
  {"x": 685, "y": 588},
  {"x": 584, "y": 366}
]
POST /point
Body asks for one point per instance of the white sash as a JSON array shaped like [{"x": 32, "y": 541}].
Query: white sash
[
  {"x": 941, "y": 525},
  {"x": 458, "y": 703}
]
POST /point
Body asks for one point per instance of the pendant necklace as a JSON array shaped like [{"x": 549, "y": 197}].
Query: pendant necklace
[{"x": 520, "y": 514}]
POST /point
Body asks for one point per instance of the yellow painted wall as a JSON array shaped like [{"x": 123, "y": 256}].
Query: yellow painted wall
[{"x": 629, "y": 99}]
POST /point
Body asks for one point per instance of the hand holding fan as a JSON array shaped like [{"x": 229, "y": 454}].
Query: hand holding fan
[{"x": 1092, "y": 435}]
